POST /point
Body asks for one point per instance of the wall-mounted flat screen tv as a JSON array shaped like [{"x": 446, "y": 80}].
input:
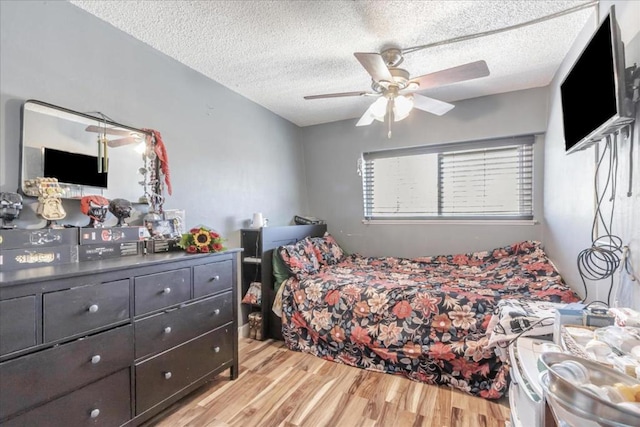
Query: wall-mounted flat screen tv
[
  {"x": 73, "y": 168},
  {"x": 593, "y": 92}
]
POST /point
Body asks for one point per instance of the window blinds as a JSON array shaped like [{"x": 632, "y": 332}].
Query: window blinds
[{"x": 471, "y": 180}]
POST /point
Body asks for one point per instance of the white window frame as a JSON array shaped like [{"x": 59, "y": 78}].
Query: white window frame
[{"x": 526, "y": 218}]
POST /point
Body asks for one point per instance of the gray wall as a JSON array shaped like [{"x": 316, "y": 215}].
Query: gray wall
[
  {"x": 228, "y": 156},
  {"x": 569, "y": 189},
  {"x": 335, "y": 189}
]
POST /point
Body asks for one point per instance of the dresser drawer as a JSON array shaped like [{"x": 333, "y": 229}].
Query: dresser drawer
[
  {"x": 17, "y": 324},
  {"x": 163, "y": 331},
  {"x": 212, "y": 278},
  {"x": 162, "y": 376},
  {"x": 160, "y": 290},
  {"x": 83, "y": 309},
  {"x": 38, "y": 377},
  {"x": 103, "y": 403}
]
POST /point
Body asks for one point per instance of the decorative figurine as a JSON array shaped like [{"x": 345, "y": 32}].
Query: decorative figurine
[
  {"x": 121, "y": 209},
  {"x": 50, "y": 205},
  {"x": 10, "y": 207},
  {"x": 96, "y": 208}
]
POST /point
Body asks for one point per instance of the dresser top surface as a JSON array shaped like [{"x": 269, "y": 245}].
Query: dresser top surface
[{"x": 18, "y": 277}]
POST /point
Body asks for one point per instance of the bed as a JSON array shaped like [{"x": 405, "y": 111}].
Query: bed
[{"x": 424, "y": 318}]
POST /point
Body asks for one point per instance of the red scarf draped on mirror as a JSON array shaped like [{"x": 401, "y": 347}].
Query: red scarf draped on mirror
[{"x": 161, "y": 152}]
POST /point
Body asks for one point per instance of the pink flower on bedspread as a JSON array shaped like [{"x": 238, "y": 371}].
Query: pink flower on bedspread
[
  {"x": 337, "y": 333},
  {"x": 389, "y": 334},
  {"x": 441, "y": 323},
  {"x": 460, "y": 259},
  {"x": 360, "y": 336},
  {"x": 361, "y": 309},
  {"x": 441, "y": 351},
  {"x": 464, "y": 367},
  {"x": 402, "y": 310},
  {"x": 412, "y": 350},
  {"x": 333, "y": 297},
  {"x": 378, "y": 303},
  {"x": 462, "y": 317},
  {"x": 539, "y": 266},
  {"x": 427, "y": 303},
  {"x": 386, "y": 354}
]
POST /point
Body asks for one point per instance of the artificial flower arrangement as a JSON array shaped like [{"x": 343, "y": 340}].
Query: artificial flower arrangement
[{"x": 201, "y": 239}]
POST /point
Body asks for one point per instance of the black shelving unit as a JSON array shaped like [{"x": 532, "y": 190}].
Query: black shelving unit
[{"x": 251, "y": 261}]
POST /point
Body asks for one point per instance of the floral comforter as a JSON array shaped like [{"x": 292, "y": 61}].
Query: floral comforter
[{"x": 424, "y": 318}]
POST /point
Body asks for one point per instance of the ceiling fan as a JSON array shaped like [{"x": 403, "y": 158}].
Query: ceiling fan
[
  {"x": 130, "y": 137},
  {"x": 395, "y": 89}
]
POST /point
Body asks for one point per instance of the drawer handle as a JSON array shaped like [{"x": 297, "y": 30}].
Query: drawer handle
[
  {"x": 93, "y": 308},
  {"x": 167, "y": 375},
  {"x": 166, "y": 291},
  {"x": 216, "y": 349},
  {"x": 216, "y": 311},
  {"x": 214, "y": 278},
  {"x": 95, "y": 413},
  {"x": 167, "y": 330},
  {"x": 96, "y": 359}
]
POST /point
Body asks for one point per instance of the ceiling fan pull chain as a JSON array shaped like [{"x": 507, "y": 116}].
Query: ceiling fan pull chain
[{"x": 390, "y": 115}]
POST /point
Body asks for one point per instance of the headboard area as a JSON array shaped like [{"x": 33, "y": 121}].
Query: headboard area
[{"x": 273, "y": 237}]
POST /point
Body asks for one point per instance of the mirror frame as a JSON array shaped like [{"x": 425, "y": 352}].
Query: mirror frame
[{"x": 68, "y": 188}]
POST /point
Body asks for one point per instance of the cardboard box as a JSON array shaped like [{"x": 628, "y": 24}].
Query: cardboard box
[
  {"x": 39, "y": 238},
  {"x": 161, "y": 245},
  {"x": 18, "y": 259},
  {"x": 108, "y": 250},
  {"x": 92, "y": 236}
]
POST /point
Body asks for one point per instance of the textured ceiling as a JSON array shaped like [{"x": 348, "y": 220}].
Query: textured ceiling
[{"x": 276, "y": 52}]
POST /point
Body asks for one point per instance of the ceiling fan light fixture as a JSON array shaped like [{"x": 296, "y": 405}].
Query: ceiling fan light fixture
[
  {"x": 379, "y": 108},
  {"x": 402, "y": 107},
  {"x": 413, "y": 85}
]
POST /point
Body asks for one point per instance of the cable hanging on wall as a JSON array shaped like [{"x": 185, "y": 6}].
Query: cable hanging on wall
[{"x": 602, "y": 259}]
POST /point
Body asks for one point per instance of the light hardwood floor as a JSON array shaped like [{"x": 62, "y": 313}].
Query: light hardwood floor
[{"x": 280, "y": 387}]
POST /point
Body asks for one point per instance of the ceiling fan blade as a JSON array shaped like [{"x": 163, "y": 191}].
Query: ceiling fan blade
[
  {"x": 375, "y": 66},
  {"x": 472, "y": 70},
  {"x": 431, "y": 105},
  {"x": 337, "y": 95},
  {"x": 123, "y": 141},
  {"x": 110, "y": 131}
]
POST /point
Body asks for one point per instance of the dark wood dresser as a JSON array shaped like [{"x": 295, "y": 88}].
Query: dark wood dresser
[{"x": 114, "y": 342}]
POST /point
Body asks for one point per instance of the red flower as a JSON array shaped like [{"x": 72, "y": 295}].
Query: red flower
[
  {"x": 337, "y": 333},
  {"x": 441, "y": 351},
  {"x": 333, "y": 297},
  {"x": 192, "y": 249},
  {"x": 386, "y": 354},
  {"x": 298, "y": 320},
  {"x": 402, "y": 310},
  {"x": 412, "y": 350},
  {"x": 441, "y": 323},
  {"x": 460, "y": 259},
  {"x": 213, "y": 235},
  {"x": 362, "y": 309},
  {"x": 360, "y": 335},
  {"x": 194, "y": 230},
  {"x": 204, "y": 249}
]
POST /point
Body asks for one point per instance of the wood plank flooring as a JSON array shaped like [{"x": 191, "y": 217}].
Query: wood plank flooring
[{"x": 282, "y": 388}]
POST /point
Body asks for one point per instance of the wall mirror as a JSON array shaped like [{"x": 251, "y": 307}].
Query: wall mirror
[{"x": 87, "y": 154}]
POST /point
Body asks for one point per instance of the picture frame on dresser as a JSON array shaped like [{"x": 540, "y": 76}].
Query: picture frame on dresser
[{"x": 115, "y": 341}]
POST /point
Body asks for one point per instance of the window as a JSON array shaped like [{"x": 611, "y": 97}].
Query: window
[{"x": 488, "y": 179}]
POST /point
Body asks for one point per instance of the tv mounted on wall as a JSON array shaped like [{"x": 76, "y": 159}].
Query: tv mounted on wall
[
  {"x": 73, "y": 168},
  {"x": 593, "y": 93}
]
